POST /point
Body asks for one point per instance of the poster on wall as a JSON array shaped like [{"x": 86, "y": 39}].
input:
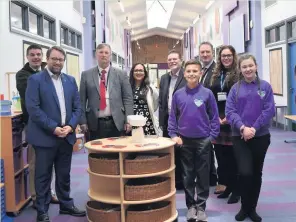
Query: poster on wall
[
  {"x": 26, "y": 44},
  {"x": 73, "y": 66},
  {"x": 276, "y": 70}
]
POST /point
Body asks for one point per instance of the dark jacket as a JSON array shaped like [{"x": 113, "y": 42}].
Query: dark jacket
[
  {"x": 21, "y": 85},
  {"x": 208, "y": 75},
  {"x": 164, "y": 95}
]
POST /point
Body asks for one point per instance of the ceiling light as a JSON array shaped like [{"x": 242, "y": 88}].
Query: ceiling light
[
  {"x": 209, "y": 4},
  {"x": 196, "y": 19},
  {"x": 121, "y": 5}
]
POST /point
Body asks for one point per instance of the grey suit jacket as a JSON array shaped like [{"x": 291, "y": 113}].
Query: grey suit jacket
[{"x": 120, "y": 97}]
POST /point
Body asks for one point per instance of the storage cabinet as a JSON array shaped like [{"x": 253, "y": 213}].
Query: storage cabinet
[
  {"x": 131, "y": 180},
  {"x": 14, "y": 153}
]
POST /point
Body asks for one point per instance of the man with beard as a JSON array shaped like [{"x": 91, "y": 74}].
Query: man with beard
[
  {"x": 34, "y": 65},
  {"x": 53, "y": 104}
]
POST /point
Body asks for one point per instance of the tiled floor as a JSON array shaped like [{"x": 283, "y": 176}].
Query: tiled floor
[{"x": 277, "y": 201}]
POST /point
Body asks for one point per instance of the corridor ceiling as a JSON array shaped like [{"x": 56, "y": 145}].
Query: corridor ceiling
[{"x": 170, "y": 18}]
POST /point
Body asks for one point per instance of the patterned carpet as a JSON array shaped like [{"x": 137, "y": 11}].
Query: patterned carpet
[{"x": 277, "y": 201}]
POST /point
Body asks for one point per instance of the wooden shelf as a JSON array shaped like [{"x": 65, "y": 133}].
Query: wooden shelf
[
  {"x": 152, "y": 200},
  {"x": 102, "y": 175},
  {"x": 149, "y": 175},
  {"x": 110, "y": 188},
  {"x": 7, "y": 154},
  {"x": 21, "y": 170}
]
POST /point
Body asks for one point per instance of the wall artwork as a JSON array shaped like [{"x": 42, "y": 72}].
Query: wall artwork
[
  {"x": 73, "y": 66},
  {"x": 276, "y": 70}
]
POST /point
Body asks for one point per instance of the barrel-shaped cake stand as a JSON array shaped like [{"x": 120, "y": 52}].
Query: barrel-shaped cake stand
[{"x": 110, "y": 189}]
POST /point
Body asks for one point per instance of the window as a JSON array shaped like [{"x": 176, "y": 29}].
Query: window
[
  {"x": 276, "y": 33},
  {"x": 292, "y": 29},
  {"x": 16, "y": 16},
  {"x": 33, "y": 23},
  {"x": 269, "y": 3},
  {"x": 27, "y": 18},
  {"x": 70, "y": 37}
]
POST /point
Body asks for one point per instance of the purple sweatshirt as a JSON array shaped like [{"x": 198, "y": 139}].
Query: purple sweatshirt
[
  {"x": 250, "y": 107},
  {"x": 194, "y": 113}
]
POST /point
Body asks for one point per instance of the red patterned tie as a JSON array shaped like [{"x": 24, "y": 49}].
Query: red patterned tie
[{"x": 103, "y": 90}]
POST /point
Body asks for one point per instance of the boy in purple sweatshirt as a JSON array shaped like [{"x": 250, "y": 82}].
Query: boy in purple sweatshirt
[
  {"x": 193, "y": 124},
  {"x": 249, "y": 109}
]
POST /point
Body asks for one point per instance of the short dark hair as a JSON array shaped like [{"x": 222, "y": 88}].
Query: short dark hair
[
  {"x": 173, "y": 51},
  {"x": 192, "y": 62},
  {"x": 207, "y": 43},
  {"x": 57, "y": 48},
  {"x": 33, "y": 46}
]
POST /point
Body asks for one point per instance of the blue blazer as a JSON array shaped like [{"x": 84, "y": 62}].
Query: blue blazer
[{"x": 44, "y": 110}]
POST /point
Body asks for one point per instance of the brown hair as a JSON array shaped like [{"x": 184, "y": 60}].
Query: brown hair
[
  {"x": 232, "y": 74},
  {"x": 192, "y": 62},
  {"x": 173, "y": 51}
]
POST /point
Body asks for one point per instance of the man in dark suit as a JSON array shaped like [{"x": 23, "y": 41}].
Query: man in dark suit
[
  {"x": 106, "y": 98},
  {"x": 169, "y": 84},
  {"x": 206, "y": 53},
  {"x": 34, "y": 65},
  {"x": 53, "y": 104}
]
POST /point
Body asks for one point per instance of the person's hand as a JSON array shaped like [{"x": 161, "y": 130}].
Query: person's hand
[
  {"x": 127, "y": 127},
  {"x": 248, "y": 133},
  {"x": 58, "y": 131},
  {"x": 224, "y": 121},
  {"x": 67, "y": 130},
  {"x": 178, "y": 140},
  {"x": 221, "y": 121},
  {"x": 83, "y": 128}
]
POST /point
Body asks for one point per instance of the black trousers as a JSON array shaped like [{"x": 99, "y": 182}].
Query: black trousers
[
  {"x": 195, "y": 160},
  {"x": 178, "y": 169},
  {"x": 250, "y": 157},
  {"x": 227, "y": 168},
  {"x": 106, "y": 129},
  {"x": 213, "y": 171},
  {"x": 59, "y": 156}
]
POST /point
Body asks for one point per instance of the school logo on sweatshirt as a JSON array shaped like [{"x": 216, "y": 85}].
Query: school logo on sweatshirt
[
  {"x": 198, "y": 102},
  {"x": 261, "y": 93}
]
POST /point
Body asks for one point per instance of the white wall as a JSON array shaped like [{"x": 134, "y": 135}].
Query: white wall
[
  {"x": 271, "y": 16},
  {"x": 11, "y": 53},
  {"x": 114, "y": 33}
]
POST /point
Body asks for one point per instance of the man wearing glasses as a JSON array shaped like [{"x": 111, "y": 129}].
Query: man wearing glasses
[
  {"x": 53, "y": 104},
  {"x": 34, "y": 65}
]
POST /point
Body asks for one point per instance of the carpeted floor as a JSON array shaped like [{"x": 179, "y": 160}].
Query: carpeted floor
[{"x": 277, "y": 201}]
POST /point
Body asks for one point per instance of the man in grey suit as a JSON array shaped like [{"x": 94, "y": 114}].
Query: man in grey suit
[{"x": 106, "y": 98}]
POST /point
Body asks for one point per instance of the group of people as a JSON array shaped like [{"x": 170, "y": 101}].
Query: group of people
[{"x": 204, "y": 107}]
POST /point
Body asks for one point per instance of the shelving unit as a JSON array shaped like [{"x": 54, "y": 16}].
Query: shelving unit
[
  {"x": 110, "y": 189},
  {"x": 14, "y": 153}
]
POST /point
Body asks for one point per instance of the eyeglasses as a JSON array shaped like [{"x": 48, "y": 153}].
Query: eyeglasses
[
  {"x": 57, "y": 60},
  {"x": 229, "y": 56}
]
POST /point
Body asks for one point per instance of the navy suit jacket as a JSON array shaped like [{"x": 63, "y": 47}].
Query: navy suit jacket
[{"x": 44, "y": 110}]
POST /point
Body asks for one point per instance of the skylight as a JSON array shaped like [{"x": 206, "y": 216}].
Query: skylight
[{"x": 159, "y": 12}]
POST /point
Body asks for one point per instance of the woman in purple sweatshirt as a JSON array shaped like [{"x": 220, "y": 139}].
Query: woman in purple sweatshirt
[
  {"x": 193, "y": 124},
  {"x": 249, "y": 109}
]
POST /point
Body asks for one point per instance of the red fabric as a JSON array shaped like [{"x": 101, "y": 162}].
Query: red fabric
[{"x": 103, "y": 103}]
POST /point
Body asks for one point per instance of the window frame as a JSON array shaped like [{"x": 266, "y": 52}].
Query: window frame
[
  {"x": 77, "y": 36},
  {"x": 290, "y": 36},
  {"x": 25, "y": 30},
  {"x": 276, "y": 27}
]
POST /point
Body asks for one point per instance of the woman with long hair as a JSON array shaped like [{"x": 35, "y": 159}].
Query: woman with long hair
[
  {"x": 249, "y": 109},
  {"x": 145, "y": 98},
  {"x": 225, "y": 75}
]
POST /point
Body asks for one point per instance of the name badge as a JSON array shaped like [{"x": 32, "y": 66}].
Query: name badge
[{"x": 222, "y": 96}]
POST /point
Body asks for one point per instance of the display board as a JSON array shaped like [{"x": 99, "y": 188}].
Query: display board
[{"x": 276, "y": 70}]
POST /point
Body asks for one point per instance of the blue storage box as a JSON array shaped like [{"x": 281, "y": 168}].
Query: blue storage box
[
  {"x": 5, "y": 107},
  {"x": 2, "y": 171},
  {"x": 3, "y": 209}
]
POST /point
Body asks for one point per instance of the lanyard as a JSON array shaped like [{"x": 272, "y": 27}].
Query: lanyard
[{"x": 222, "y": 81}]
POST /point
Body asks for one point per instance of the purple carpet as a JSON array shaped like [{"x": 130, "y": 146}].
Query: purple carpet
[{"x": 277, "y": 201}]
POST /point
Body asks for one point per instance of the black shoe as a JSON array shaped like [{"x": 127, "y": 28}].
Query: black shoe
[
  {"x": 225, "y": 194},
  {"x": 73, "y": 211},
  {"x": 34, "y": 204},
  {"x": 254, "y": 216},
  {"x": 43, "y": 218},
  {"x": 241, "y": 215},
  {"x": 54, "y": 199},
  {"x": 233, "y": 199}
]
